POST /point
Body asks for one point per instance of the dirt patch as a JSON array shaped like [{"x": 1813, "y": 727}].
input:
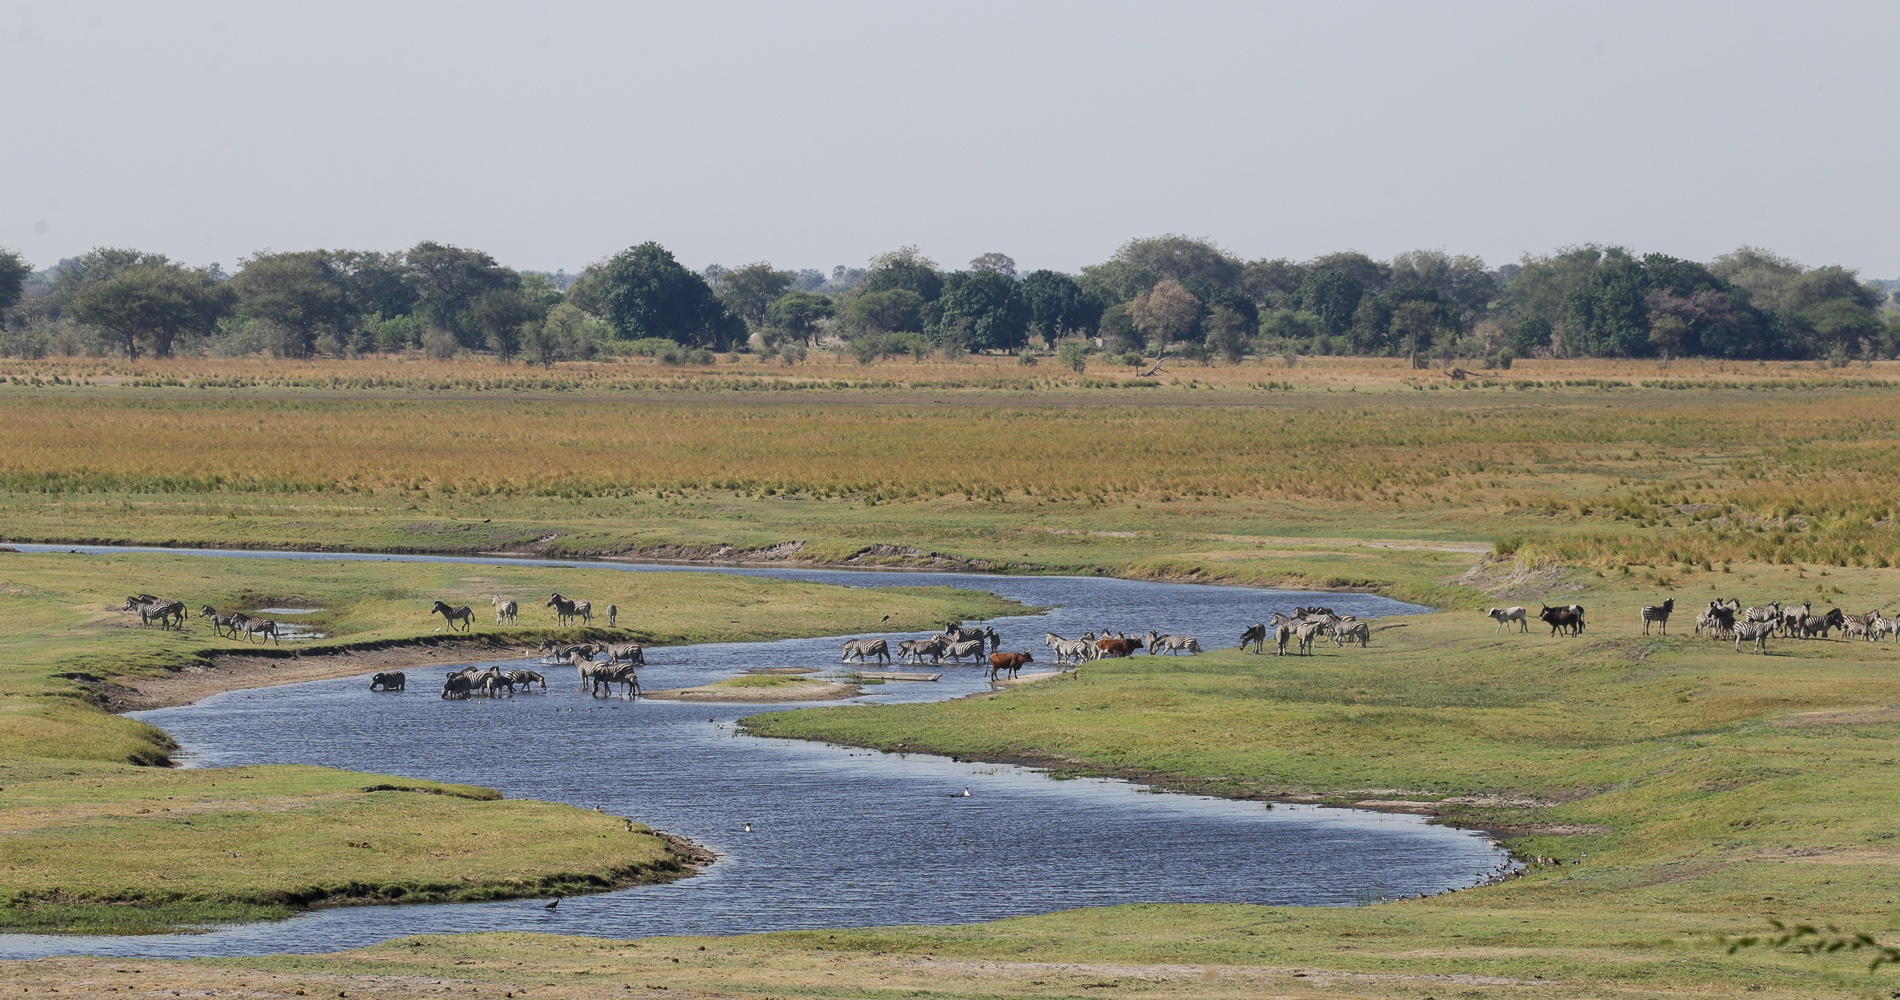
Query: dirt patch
[
  {"x": 239, "y": 671},
  {"x": 813, "y": 691}
]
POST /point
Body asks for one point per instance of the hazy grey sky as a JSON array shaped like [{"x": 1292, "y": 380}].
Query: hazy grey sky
[{"x": 814, "y": 133}]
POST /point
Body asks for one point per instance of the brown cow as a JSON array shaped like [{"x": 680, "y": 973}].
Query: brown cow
[
  {"x": 1008, "y": 663},
  {"x": 1117, "y": 646}
]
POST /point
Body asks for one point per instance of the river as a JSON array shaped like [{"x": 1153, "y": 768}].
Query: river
[{"x": 837, "y": 837}]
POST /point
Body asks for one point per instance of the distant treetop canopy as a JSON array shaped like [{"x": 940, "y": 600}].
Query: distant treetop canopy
[{"x": 1175, "y": 293}]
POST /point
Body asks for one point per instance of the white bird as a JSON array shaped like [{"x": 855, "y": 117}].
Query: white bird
[
  {"x": 748, "y": 828},
  {"x": 965, "y": 794}
]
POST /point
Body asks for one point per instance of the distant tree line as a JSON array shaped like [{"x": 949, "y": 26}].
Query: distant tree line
[{"x": 1172, "y": 295}]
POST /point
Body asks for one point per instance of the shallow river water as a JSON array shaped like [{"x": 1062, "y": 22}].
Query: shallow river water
[{"x": 839, "y": 837}]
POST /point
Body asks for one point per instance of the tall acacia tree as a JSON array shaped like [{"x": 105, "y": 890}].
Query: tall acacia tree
[{"x": 152, "y": 304}]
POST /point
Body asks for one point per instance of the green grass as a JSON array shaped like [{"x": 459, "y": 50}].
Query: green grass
[{"x": 95, "y": 842}]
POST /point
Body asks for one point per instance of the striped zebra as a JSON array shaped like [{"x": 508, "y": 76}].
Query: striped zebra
[
  {"x": 862, "y": 648},
  {"x": 463, "y": 614},
  {"x": 1172, "y": 643},
  {"x": 1305, "y": 632},
  {"x": 261, "y": 627},
  {"x": 221, "y": 624},
  {"x": 505, "y": 609},
  {"x": 1753, "y": 632},
  {"x": 1072, "y": 651},
  {"x": 527, "y": 678},
  {"x": 627, "y": 652},
  {"x": 1658, "y": 614},
  {"x": 1347, "y": 630},
  {"x": 565, "y": 611},
  {"x": 914, "y": 650},
  {"x": 168, "y": 614},
  {"x": 969, "y": 647}
]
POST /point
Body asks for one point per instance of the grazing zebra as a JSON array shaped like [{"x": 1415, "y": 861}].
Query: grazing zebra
[
  {"x": 1255, "y": 636},
  {"x": 914, "y": 650},
  {"x": 457, "y": 685},
  {"x": 463, "y": 614},
  {"x": 565, "y": 610},
  {"x": 220, "y": 624},
  {"x": 1753, "y": 632},
  {"x": 527, "y": 678},
  {"x": 1172, "y": 643},
  {"x": 862, "y": 648},
  {"x": 613, "y": 615},
  {"x": 1658, "y": 613},
  {"x": 261, "y": 627},
  {"x": 1347, "y": 630},
  {"x": 505, "y": 609}
]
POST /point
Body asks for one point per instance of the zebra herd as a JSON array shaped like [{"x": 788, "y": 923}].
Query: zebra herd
[
  {"x": 1728, "y": 619},
  {"x": 567, "y": 611},
  {"x": 1302, "y": 627},
  {"x": 171, "y": 614},
  {"x": 958, "y": 642}
]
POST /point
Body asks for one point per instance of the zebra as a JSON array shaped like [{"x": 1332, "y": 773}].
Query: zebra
[
  {"x": 1073, "y": 650},
  {"x": 954, "y": 633},
  {"x": 527, "y": 678},
  {"x": 168, "y": 613},
  {"x": 1718, "y": 619},
  {"x": 862, "y": 648},
  {"x": 1884, "y": 626},
  {"x": 505, "y": 609},
  {"x": 605, "y": 675},
  {"x": 613, "y": 615},
  {"x": 627, "y": 652},
  {"x": 969, "y": 647},
  {"x": 1791, "y": 617},
  {"x": 463, "y": 614},
  {"x": 1347, "y": 630},
  {"x": 914, "y": 650},
  {"x": 220, "y": 624},
  {"x": 564, "y": 610},
  {"x": 1755, "y": 632},
  {"x": 1305, "y": 633},
  {"x": 1658, "y": 613},
  {"x": 261, "y": 627},
  {"x": 1255, "y": 636},
  {"x": 1172, "y": 643}
]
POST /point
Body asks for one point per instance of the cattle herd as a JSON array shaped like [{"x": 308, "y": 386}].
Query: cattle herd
[{"x": 1726, "y": 620}]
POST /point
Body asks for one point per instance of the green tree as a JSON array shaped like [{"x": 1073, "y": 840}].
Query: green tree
[
  {"x": 13, "y": 274},
  {"x": 895, "y": 310},
  {"x": 1229, "y": 333},
  {"x": 798, "y": 314},
  {"x": 567, "y": 334},
  {"x": 305, "y": 293},
  {"x": 508, "y": 316},
  {"x": 447, "y": 281},
  {"x": 1464, "y": 281},
  {"x": 904, "y": 268},
  {"x": 750, "y": 290},
  {"x": 1272, "y": 284},
  {"x": 649, "y": 294},
  {"x": 1057, "y": 305},
  {"x": 152, "y": 304},
  {"x": 1333, "y": 295},
  {"x": 1419, "y": 323},
  {"x": 1165, "y": 313},
  {"x": 985, "y": 305},
  {"x": 1074, "y": 354}
]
